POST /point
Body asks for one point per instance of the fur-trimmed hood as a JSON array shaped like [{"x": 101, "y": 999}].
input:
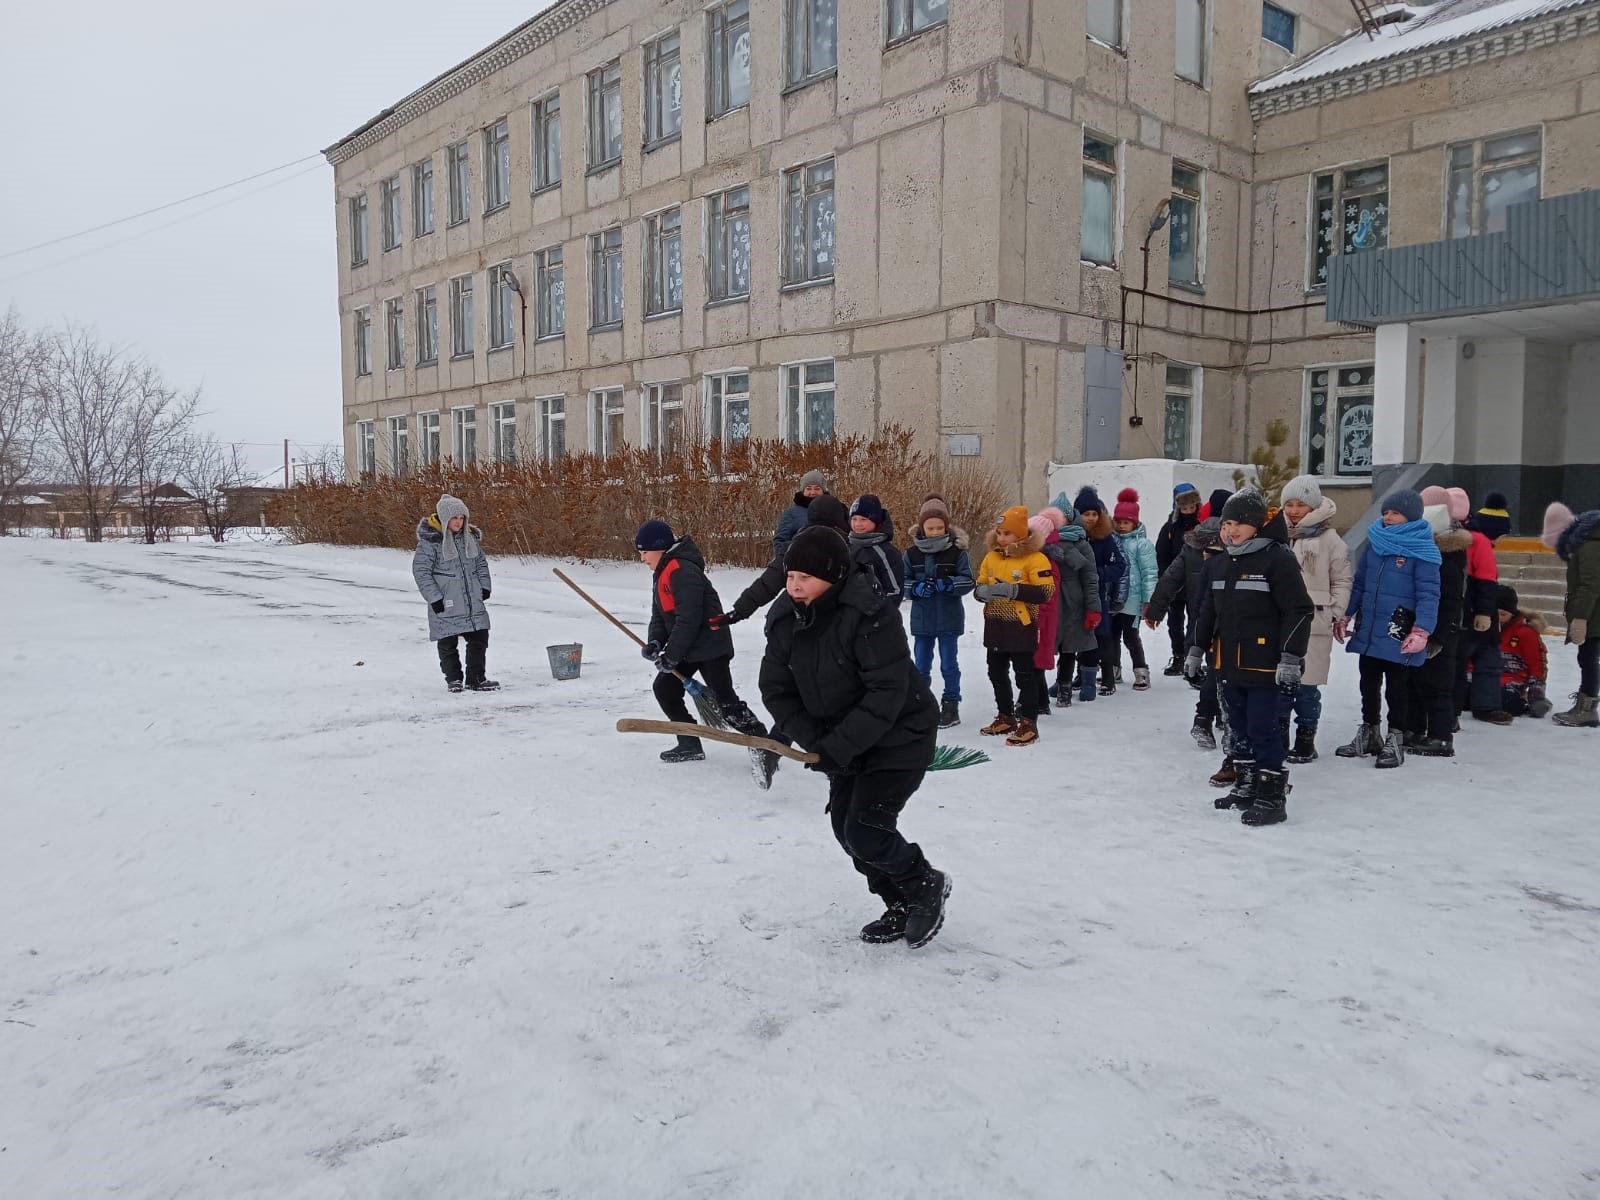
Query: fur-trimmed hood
[
  {"x": 1533, "y": 621},
  {"x": 1096, "y": 523},
  {"x": 1453, "y": 540},
  {"x": 1205, "y": 536},
  {"x": 1032, "y": 544}
]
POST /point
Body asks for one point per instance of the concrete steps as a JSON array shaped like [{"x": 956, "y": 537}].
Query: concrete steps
[{"x": 1541, "y": 583}]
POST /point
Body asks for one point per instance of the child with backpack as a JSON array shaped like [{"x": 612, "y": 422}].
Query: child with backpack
[
  {"x": 1014, "y": 579},
  {"x": 938, "y": 575}
]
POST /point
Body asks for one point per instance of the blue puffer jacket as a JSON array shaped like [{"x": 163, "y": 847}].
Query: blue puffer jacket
[
  {"x": 1143, "y": 573},
  {"x": 1387, "y": 584},
  {"x": 790, "y": 524},
  {"x": 938, "y": 575}
]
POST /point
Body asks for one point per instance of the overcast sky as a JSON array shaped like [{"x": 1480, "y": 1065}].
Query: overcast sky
[{"x": 107, "y": 109}]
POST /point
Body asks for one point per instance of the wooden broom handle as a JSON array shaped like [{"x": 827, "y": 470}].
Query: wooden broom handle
[{"x": 595, "y": 604}]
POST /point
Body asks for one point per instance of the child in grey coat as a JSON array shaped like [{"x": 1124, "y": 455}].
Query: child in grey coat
[{"x": 452, "y": 573}]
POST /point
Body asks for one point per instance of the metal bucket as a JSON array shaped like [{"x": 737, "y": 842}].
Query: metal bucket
[{"x": 565, "y": 661}]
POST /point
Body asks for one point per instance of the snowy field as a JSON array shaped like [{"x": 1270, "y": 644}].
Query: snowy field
[{"x": 283, "y": 919}]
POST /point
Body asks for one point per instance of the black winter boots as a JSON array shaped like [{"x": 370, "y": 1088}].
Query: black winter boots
[
  {"x": 1304, "y": 749},
  {"x": 890, "y": 927},
  {"x": 925, "y": 908},
  {"x": 742, "y": 720},
  {"x": 1392, "y": 751},
  {"x": 1202, "y": 735},
  {"x": 949, "y": 713},
  {"x": 1267, "y": 807},
  {"x": 1365, "y": 743},
  {"x": 1244, "y": 786},
  {"x": 688, "y": 749}
]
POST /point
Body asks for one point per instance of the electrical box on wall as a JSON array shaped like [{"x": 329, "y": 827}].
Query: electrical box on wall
[{"x": 964, "y": 445}]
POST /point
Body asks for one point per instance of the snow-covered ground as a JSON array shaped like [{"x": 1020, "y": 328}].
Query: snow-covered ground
[{"x": 284, "y": 919}]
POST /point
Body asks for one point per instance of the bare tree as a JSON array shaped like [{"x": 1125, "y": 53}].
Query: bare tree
[
  {"x": 22, "y": 355},
  {"x": 209, "y": 473},
  {"x": 156, "y": 432},
  {"x": 87, "y": 388}
]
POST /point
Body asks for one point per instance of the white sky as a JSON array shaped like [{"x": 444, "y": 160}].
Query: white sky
[{"x": 107, "y": 109}]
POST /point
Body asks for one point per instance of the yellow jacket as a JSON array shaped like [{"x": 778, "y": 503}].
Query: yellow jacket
[{"x": 1021, "y": 563}]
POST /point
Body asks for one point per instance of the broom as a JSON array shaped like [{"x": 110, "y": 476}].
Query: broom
[
  {"x": 705, "y": 703},
  {"x": 945, "y": 758}
]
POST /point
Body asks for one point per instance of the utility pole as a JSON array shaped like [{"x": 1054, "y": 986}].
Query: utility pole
[{"x": 286, "y": 464}]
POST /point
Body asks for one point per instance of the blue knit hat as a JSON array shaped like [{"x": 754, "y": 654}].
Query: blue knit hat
[
  {"x": 1088, "y": 501},
  {"x": 654, "y": 535},
  {"x": 1405, "y": 502}
]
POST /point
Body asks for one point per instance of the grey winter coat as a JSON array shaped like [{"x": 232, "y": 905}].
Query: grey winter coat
[
  {"x": 1077, "y": 589},
  {"x": 461, "y": 581}
]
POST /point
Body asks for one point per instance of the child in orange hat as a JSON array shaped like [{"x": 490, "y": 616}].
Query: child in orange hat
[{"x": 1014, "y": 579}]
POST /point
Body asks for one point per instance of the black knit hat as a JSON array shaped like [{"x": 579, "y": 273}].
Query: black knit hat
[
  {"x": 1216, "y": 500},
  {"x": 829, "y": 512},
  {"x": 820, "y": 552},
  {"x": 870, "y": 507},
  {"x": 1492, "y": 520},
  {"x": 1506, "y": 597},
  {"x": 1247, "y": 507},
  {"x": 654, "y": 535}
]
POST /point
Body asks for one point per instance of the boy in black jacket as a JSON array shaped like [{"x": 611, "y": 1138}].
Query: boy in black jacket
[
  {"x": 1257, "y": 626},
  {"x": 1169, "y": 545},
  {"x": 838, "y": 678}
]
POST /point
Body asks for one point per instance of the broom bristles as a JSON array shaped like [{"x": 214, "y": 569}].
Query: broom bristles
[
  {"x": 706, "y": 704},
  {"x": 953, "y": 758}
]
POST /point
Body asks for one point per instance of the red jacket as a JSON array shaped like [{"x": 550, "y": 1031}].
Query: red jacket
[{"x": 1523, "y": 655}]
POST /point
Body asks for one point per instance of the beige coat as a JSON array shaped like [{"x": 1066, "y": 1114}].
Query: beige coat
[{"x": 1325, "y": 564}]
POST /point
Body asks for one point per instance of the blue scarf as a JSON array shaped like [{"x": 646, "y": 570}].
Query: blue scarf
[{"x": 1414, "y": 539}]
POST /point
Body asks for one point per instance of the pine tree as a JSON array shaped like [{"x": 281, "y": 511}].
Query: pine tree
[{"x": 1270, "y": 476}]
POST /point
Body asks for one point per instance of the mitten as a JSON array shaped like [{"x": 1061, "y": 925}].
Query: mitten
[
  {"x": 1091, "y": 621},
  {"x": 1003, "y": 590},
  {"x": 1289, "y": 668},
  {"x": 485, "y": 593},
  {"x": 650, "y": 651},
  {"x": 437, "y": 605},
  {"x": 1578, "y": 631}
]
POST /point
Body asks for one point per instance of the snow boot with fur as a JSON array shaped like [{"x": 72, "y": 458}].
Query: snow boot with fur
[
  {"x": 1267, "y": 806},
  {"x": 1366, "y": 742}
]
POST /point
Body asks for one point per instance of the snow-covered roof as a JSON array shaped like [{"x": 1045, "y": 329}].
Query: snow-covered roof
[{"x": 1424, "y": 28}]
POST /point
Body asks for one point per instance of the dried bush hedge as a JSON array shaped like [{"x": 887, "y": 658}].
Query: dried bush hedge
[{"x": 588, "y": 507}]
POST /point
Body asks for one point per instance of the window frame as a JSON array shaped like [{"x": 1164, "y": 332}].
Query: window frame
[
  {"x": 548, "y": 417},
  {"x": 799, "y": 406},
  {"x": 430, "y": 438},
  {"x": 549, "y": 319},
  {"x": 601, "y": 252},
  {"x": 654, "y": 116},
  {"x": 653, "y": 409},
  {"x": 503, "y": 417},
  {"x": 394, "y": 333},
  {"x": 463, "y": 340},
  {"x": 503, "y": 303},
  {"x": 497, "y": 166},
  {"x": 719, "y": 245},
  {"x": 390, "y": 212},
  {"x": 1339, "y": 192},
  {"x": 422, "y": 214},
  {"x": 805, "y": 194},
  {"x": 458, "y": 173},
  {"x": 427, "y": 325},
  {"x": 1190, "y": 391},
  {"x": 604, "y": 90},
  {"x": 1119, "y": 19},
  {"x": 359, "y": 247},
  {"x": 399, "y": 444},
  {"x": 1482, "y": 168},
  {"x": 546, "y": 116},
  {"x": 1202, "y": 37},
  {"x": 1196, "y": 196},
  {"x": 714, "y": 408},
  {"x": 1113, "y": 172},
  {"x": 362, "y": 340},
  {"x": 366, "y": 449},
  {"x": 601, "y": 410},
  {"x": 460, "y": 427},
  {"x": 1336, "y": 390},
  {"x": 658, "y": 244},
  {"x": 1294, "y": 25},
  {"x": 721, "y": 38},
  {"x": 891, "y": 12},
  {"x": 799, "y": 71}
]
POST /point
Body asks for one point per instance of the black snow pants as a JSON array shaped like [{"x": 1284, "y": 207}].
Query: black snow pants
[
  {"x": 865, "y": 810},
  {"x": 477, "y": 655}
]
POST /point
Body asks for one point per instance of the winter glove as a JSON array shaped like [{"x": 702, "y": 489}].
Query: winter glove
[
  {"x": 437, "y": 605},
  {"x": 943, "y": 584},
  {"x": 722, "y": 620},
  {"x": 650, "y": 651},
  {"x": 485, "y": 593},
  {"x": 1341, "y": 629},
  {"x": 1194, "y": 663},
  {"x": 1416, "y": 641},
  {"x": 1091, "y": 621},
  {"x": 665, "y": 665},
  {"x": 922, "y": 589},
  {"x": 981, "y": 592},
  {"x": 826, "y": 766},
  {"x": 999, "y": 590},
  {"x": 1289, "y": 668}
]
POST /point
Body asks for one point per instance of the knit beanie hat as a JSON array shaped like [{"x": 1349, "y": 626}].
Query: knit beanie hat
[
  {"x": 447, "y": 510},
  {"x": 1057, "y": 518},
  {"x": 1558, "y": 518},
  {"x": 1127, "y": 508},
  {"x": 654, "y": 535},
  {"x": 1042, "y": 526},
  {"x": 1493, "y": 520},
  {"x": 1460, "y": 503},
  {"x": 1247, "y": 506},
  {"x": 870, "y": 507},
  {"x": 1014, "y": 521},
  {"x": 1405, "y": 502},
  {"x": 1088, "y": 501},
  {"x": 829, "y": 512},
  {"x": 1434, "y": 495},
  {"x": 1303, "y": 488},
  {"x": 1505, "y": 597},
  {"x": 934, "y": 506},
  {"x": 1438, "y": 518},
  {"x": 1216, "y": 501},
  {"x": 819, "y": 552},
  {"x": 813, "y": 477},
  {"x": 1181, "y": 490}
]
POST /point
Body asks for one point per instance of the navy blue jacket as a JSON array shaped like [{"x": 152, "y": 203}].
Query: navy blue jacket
[{"x": 940, "y": 613}]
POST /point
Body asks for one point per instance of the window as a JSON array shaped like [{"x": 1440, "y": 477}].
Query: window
[
  {"x": 605, "y": 421},
  {"x": 464, "y": 435},
  {"x": 429, "y": 449},
  {"x": 366, "y": 448},
  {"x": 1350, "y": 213},
  {"x": 502, "y": 307},
  {"x": 460, "y": 182},
  {"x": 1177, "y": 433},
  {"x": 729, "y": 58},
  {"x": 605, "y": 279},
  {"x": 552, "y": 427},
  {"x": 427, "y": 325},
  {"x": 363, "y": 341},
  {"x": 663, "y": 91},
  {"x": 1183, "y": 226},
  {"x": 1191, "y": 40},
  {"x": 1338, "y": 426},
  {"x": 399, "y": 456},
  {"x": 728, "y": 245},
  {"x": 728, "y": 407},
  {"x": 391, "y": 212},
  {"x": 1104, "y": 22},
  {"x": 663, "y": 418},
  {"x": 807, "y": 414},
  {"x": 358, "y": 230},
  {"x": 422, "y": 198},
  {"x": 552, "y": 285},
  {"x": 394, "y": 324},
  {"x": 663, "y": 262},
  {"x": 910, "y": 17},
  {"x": 503, "y": 432},
  {"x": 808, "y": 223},
  {"x": 1488, "y": 177},
  {"x": 605, "y": 116},
  {"x": 1277, "y": 26},
  {"x": 1097, "y": 224},
  {"x": 497, "y": 166},
  {"x": 461, "y": 316},
  {"x": 547, "y": 142},
  {"x": 813, "y": 39}
]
